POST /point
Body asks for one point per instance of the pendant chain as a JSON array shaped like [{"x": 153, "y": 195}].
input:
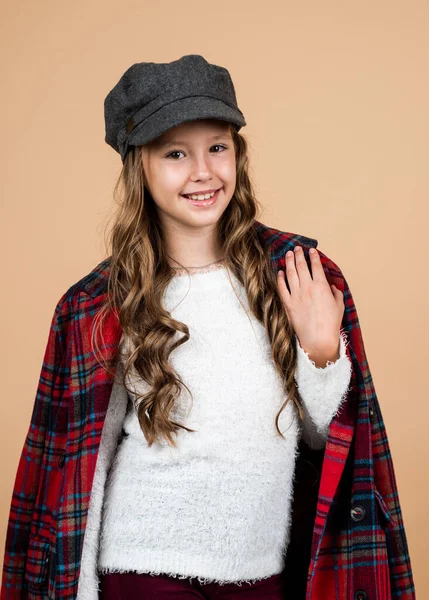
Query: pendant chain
[{"x": 202, "y": 267}]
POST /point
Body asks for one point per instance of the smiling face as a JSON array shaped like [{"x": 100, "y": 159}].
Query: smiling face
[{"x": 195, "y": 156}]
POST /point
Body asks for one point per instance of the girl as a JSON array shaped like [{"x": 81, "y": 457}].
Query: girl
[
  {"x": 197, "y": 503},
  {"x": 179, "y": 377}
]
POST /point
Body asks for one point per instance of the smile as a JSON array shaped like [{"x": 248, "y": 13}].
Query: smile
[{"x": 203, "y": 200}]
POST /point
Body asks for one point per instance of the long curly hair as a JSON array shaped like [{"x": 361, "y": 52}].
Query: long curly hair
[{"x": 140, "y": 272}]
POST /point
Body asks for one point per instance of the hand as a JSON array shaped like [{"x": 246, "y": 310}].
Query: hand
[{"x": 314, "y": 308}]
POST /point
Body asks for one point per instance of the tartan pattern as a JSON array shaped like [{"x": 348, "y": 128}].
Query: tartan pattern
[
  {"x": 37, "y": 561},
  {"x": 53, "y": 482}
]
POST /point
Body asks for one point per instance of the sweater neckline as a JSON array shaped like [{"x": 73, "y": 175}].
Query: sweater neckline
[
  {"x": 212, "y": 277},
  {"x": 196, "y": 271}
]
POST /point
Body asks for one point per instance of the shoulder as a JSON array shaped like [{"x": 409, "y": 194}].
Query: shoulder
[
  {"x": 91, "y": 285},
  {"x": 94, "y": 283},
  {"x": 282, "y": 241}
]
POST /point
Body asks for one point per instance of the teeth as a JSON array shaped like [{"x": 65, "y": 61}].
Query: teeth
[{"x": 201, "y": 196}]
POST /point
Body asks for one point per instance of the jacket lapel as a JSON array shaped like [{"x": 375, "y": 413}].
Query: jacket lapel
[{"x": 91, "y": 391}]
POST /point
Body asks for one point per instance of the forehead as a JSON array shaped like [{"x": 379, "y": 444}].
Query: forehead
[{"x": 198, "y": 129}]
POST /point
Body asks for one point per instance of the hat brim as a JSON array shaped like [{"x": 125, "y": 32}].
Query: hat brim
[{"x": 179, "y": 111}]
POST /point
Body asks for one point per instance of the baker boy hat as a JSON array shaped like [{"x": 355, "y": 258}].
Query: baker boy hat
[{"x": 151, "y": 98}]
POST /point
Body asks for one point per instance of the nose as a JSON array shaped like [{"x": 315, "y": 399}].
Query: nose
[{"x": 201, "y": 169}]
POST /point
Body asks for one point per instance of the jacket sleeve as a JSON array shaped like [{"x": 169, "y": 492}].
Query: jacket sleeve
[
  {"x": 380, "y": 457},
  {"x": 20, "y": 562}
]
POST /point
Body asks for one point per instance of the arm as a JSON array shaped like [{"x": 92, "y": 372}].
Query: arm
[{"x": 322, "y": 391}]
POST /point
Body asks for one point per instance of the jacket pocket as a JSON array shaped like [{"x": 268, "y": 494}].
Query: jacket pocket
[
  {"x": 383, "y": 508},
  {"x": 36, "y": 568}
]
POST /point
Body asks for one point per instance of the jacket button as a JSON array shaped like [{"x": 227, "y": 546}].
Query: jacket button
[
  {"x": 62, "y": 459},
  {"x": 358, "y": 513},
  {"x": 361, "y": 595}
]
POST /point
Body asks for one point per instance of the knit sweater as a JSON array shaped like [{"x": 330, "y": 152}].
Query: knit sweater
[{"x": 217, "y": 507}]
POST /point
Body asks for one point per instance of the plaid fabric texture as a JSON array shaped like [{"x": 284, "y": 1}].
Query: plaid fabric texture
[{"x": 356, "y": 546}]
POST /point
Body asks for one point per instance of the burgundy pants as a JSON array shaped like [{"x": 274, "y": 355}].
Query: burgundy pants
[{"x": 142, "y": 586}]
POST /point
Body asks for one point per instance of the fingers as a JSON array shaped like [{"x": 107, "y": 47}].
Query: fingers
[
  {"x": 339, "y": 296},
  {"x": 282, "y": 287},
  {"x": 291, "y": 274},
  {"x": 316, "y": 266},
  {"x": 297, "y": 270}
]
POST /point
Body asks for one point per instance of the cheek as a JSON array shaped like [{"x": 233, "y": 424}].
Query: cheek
[
  {"x": 227, "y": 171},
  {"x": 171, "y": 181}
]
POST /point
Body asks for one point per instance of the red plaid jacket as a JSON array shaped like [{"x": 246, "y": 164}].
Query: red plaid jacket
[{"x": 347, "y": 539}]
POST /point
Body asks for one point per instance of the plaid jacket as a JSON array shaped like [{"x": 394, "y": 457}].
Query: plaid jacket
[{"x": 347, "y": 538}]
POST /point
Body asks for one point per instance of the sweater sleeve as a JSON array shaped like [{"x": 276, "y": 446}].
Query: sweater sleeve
[{"x": 322, "y": 390}]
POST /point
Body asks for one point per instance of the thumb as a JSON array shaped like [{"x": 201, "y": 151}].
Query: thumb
[{"x": 337, "y": 293}]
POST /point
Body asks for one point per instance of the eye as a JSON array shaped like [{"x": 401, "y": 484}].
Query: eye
[
  {"x": 169, "y": 155},
  {"x": 173, "y": 152},
  {"x": 219, "y": 146}
]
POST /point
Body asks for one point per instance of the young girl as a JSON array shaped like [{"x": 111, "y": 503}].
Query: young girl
[
  {"x": 227, "y": 347},
  {"x": 198, "y": 499}
]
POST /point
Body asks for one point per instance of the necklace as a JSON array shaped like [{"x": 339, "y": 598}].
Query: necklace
[{"x": 202, "y": 267}]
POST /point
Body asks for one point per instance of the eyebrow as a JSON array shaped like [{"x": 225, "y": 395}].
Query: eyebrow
[{"x": 177, "y": 142}]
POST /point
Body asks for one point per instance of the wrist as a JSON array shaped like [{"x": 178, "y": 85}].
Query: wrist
[{"x": 321, "y": 357}]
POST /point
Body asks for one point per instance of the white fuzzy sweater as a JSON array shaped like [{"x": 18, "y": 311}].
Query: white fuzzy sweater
[{"x": 217, "y": 507}]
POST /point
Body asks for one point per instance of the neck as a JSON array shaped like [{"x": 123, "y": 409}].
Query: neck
[{"x": 194, "y": 248}]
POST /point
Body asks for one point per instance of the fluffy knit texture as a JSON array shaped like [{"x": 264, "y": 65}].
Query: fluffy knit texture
[{"x": 217, "y": 507}]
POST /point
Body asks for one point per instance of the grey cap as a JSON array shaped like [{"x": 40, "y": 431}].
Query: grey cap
[{"x": 151, "y": 98}]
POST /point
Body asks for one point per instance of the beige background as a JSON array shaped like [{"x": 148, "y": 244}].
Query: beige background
[{"x": 336, "y": 98}]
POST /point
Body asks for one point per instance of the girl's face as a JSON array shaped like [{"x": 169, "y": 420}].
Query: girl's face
[{"x": 194, "y": 157}]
